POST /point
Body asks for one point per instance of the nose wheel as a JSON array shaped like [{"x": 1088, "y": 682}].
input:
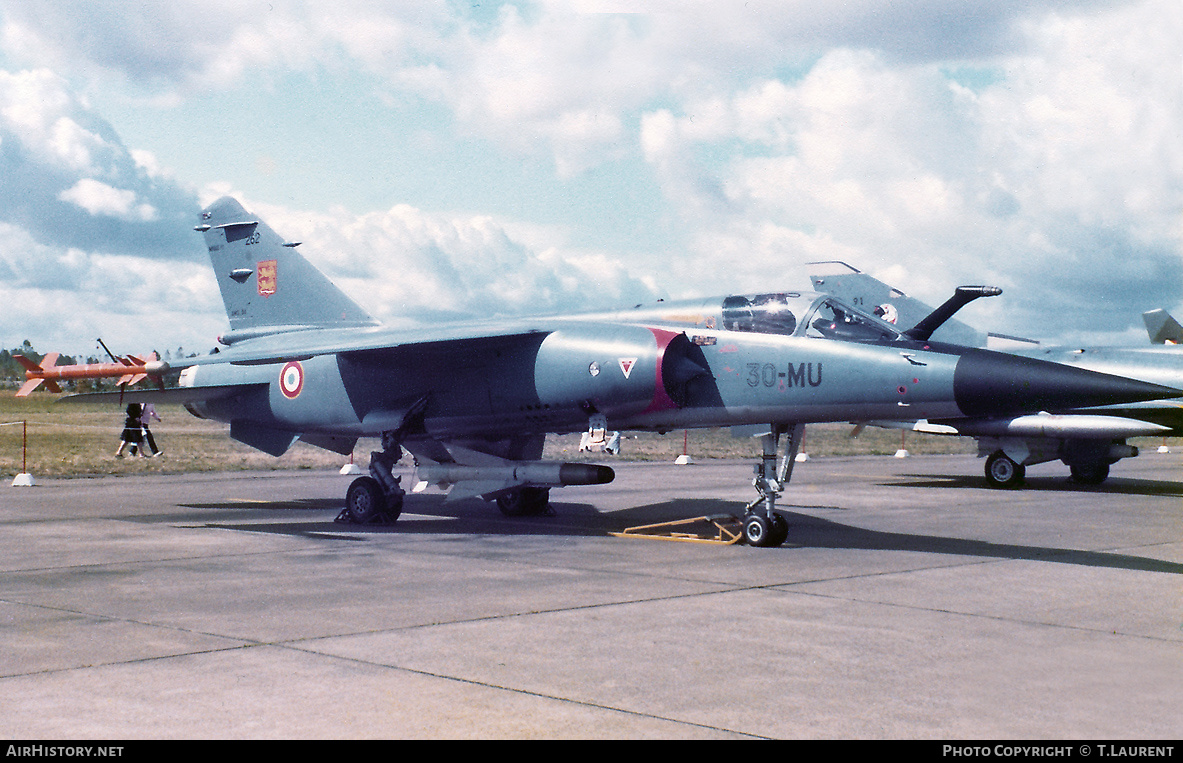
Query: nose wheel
[{"x": 760, "y": 531}]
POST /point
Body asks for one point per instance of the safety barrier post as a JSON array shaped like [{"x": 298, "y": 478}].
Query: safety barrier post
[
  {"x": 350, "y": 468},
  {"x": 685, "y": 458},
  {"x": 903, "y": 451},
  {"x": 24, "y": 479}
]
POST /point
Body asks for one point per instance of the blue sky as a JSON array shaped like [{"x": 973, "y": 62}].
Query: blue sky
[{"x": 466, "y": 159}]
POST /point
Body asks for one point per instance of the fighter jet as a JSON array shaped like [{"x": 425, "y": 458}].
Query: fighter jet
[
  {"x": 1088, "y": 440},
  {"x": 474, "y": 402}
]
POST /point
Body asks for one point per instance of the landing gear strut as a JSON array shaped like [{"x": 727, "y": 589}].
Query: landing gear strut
[
  {"x": 378, "y": 497},
  {"x": 762, "y": 526}
]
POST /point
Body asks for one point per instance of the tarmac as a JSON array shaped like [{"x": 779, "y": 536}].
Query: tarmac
[{"x": 911, "y": 601}]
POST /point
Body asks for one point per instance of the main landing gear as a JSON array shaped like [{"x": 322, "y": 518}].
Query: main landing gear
[
  {"x": 525, "y": 502},
  {"x": 377, "y": 498},
  {"x": 1003, "y": 472},
  {"x": 1089, "y": 474},
  {"x": 762, "y": 526},
  {"x": 1091, "y": 468}
]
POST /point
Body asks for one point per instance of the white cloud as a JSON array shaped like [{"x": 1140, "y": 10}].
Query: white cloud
[
  {"x": 101, "y": 199},
  {"x": 37, "y": 108},
  {"x": 776, "y": 133},
  {"x": 404, "y": 263},
  {"x": 1061, "y": 182},
  {"x": 63, "y": 297},
  {"x": 65, "y": 175}
]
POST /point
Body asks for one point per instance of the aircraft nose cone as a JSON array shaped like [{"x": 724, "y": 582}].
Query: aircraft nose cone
[{"x": 987, "y": 383}]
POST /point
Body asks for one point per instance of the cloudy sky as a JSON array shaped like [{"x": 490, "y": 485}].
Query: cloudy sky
[{"x": 478, "y": 158}]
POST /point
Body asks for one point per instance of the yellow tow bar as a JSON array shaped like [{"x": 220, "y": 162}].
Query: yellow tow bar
[{"x": 720, "y": 529}]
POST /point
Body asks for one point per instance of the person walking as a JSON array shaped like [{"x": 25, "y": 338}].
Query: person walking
[
  {"x": 149, "y": 413},
  {"x": 133, "y": 431}
]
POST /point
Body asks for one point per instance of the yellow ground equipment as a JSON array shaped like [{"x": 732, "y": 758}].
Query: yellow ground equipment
[{"x": 720, "y": 529}]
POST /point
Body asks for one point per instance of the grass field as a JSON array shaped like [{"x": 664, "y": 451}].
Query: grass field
[{"x": 80, "y": 440}]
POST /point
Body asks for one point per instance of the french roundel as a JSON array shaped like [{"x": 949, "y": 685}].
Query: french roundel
[{"x": 291, "y": 380}]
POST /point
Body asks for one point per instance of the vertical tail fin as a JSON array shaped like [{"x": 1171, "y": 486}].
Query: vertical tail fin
[
  {"x": 266, "y": 286},
  {"x": 1162, "y": 327}
]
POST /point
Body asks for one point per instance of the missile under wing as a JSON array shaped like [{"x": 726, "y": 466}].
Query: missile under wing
[{"x": 474, "y": 402}]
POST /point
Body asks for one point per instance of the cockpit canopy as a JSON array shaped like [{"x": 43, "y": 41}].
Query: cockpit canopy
[
  {"x": 788, "y": 313},
  {"x": 803, "y": 314},
  {"x": 764, "y": 313}
]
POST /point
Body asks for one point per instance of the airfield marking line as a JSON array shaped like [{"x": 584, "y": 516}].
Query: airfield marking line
[
  {"x": 131, "y": 661},
  {"x": 292, "y": 645},
  {"x": 130, "y": 621},
  {"x": 532, "y": 693},
  {"x": 723, "y": 588}
]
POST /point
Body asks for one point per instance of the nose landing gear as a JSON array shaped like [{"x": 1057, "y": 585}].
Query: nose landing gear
[{"x": 762, "y": 526}]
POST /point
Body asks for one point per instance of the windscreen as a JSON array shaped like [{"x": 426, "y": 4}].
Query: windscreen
[{"x": 801, "y": 314}]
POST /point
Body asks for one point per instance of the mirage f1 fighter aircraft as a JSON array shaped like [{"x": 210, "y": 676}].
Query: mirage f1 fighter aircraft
[{"x": 474, "y": 402}]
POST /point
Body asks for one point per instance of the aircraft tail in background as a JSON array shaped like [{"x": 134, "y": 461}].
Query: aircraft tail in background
[{"x": 1162, "y": 327}]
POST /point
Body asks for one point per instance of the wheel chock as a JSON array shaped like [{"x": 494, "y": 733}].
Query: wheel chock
[{"x": 719, "y": 529}]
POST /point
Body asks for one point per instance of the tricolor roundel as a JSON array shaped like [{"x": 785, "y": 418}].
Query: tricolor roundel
[{"x": 291, "y": 380}]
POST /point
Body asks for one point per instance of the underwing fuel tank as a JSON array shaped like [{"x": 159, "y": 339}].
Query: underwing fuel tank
[{"x": 1079, "y": 426}]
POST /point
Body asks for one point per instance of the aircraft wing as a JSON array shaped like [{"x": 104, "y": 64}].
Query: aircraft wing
[
  {"x": 177, "y": 395},
  {"x": 308, "y": 343}
]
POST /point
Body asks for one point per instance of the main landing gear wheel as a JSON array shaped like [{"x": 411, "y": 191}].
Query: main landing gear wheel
[
  {"x": 365, "y": 502},
  {"x": 759, "y": 531},
  {"x": 525, "y": 502},
  {"x": 1089, "y": 474},
  {"x": 1003, "y": 472}
]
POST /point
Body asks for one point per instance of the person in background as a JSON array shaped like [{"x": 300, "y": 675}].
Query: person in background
[
  {"x": 133, "y": 431},
  {"x": 149, "y": 413}
]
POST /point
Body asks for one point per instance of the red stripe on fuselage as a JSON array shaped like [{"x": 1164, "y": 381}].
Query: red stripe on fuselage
[{"x": 661, "y": 399}]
